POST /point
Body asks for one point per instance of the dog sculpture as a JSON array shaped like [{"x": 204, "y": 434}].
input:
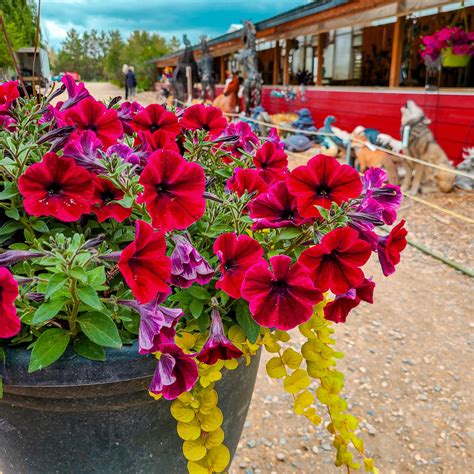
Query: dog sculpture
[{"x": 419, "y": 142}]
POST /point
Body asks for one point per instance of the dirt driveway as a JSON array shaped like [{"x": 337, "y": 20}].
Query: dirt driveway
[{"x": 408, "y": 364}]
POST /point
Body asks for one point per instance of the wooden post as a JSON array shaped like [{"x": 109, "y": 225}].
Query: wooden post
[
  {"x": 222, "y": 71},
  {"x": 397, "y": 47},
  {"x": 319, "y": 78},
  {"x": 189, "y": 77},
  {"x": 276, "y": 62},
  {"x": 286, "y": 71}
]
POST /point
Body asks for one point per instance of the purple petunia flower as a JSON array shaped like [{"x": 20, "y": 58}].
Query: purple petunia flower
[
  {"x": 125, "y": 153},
  {"x": 217, "y": 347},
  {"x": 126, "y": 112},
  {"x": 247, "y": 140},
  {"x": 188, "y": 266},
  {"x": 156, "y": 323},
  {"x": 84, "y": 149}
]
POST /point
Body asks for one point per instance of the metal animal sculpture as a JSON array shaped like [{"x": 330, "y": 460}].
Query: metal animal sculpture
[
  {"x": 249, "y": 60},
  {"x": 179, "y": 82},
  {"x": 206, "y": 71}
]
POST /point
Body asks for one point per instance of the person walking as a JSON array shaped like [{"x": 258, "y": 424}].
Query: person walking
[
  {"x": 124, "y": 74},
  {"x": 131, "y": 82}
]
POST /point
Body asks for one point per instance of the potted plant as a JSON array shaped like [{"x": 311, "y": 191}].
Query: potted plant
[
  {"x": 454, "y": 45},
  {"x": 147, "y": 255}
]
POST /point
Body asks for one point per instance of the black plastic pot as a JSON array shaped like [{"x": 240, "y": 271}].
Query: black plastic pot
[{"x": 81, "y": 416}]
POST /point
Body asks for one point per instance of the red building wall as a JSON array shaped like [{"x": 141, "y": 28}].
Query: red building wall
[{"x": 452, "y": 113}]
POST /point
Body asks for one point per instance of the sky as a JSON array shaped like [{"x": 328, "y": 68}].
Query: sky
[{"x": 166, "y": 17}]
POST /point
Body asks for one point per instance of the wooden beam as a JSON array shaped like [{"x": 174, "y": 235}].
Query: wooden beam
[
  {"x": 286, "y": 70},
  {"x": 276, "y": 62},
  {"x": 222, "y": 70},
  {"x": 397, "y": 48},
  {"x": 319, "y": 77}
]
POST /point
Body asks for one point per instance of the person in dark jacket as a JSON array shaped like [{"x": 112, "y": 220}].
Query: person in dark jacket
[{"x": 131, "y": 82}]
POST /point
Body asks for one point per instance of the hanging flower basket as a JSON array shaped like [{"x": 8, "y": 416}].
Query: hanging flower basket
[
  {"x": 454, "y": 45},
  {"x": 449, "y": 59}
]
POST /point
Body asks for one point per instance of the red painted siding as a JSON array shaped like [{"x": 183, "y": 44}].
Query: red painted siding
[{"x": 452, "y": 114}]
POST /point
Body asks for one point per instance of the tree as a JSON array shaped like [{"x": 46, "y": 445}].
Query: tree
[
  {"x": 71, "y": 56},
  {"x": 113, "y": 59},
  {"x": 19, "y": 19}
]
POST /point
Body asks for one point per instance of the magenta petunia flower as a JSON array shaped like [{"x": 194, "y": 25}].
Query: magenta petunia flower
[
  {"x": 187, "y": 265},
  {"x": 282, "y": 296},
  {"x": 76, "y": 92},
  {"x": 271, "y": 163},
  {"x": 275, "y": 208},
  {"x": 125, "y": 153},
  {"x": 338, "y": 309},
  {"x": 8, "y": 93},
  {"x": 155, "y": 117},
  {"x": 236, "y": 255},
  {"x": 176, "y": 372},
  {"x": 246, "y": 180},
  {"x": 10, "y": 323},
  {"x": 217, "y": 347},
  {"x": 247, "y": 140},
  {"x": 202, "y": 117},
  {"x": 390, "y": 247},
  {"x": 126, "y": 112}
]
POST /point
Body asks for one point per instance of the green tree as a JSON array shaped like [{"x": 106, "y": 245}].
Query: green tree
[
  {"x": 72, "y": 55},
  {"x": 19, "y": 19},
  {"x": 113, "y": 60}
]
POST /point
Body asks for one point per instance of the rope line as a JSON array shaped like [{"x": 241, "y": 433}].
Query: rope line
[{"x": 414, "y": 198}]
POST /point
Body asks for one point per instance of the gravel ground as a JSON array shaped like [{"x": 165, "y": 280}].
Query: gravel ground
[{"x": 408, "y": 363}]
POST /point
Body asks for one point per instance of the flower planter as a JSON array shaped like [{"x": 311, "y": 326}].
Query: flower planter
[
  {"x": 454, "y": 60},
  {"x": 81, "y": 416}
]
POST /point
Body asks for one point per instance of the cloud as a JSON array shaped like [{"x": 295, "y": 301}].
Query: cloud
[{"x": 166, "y": 17}]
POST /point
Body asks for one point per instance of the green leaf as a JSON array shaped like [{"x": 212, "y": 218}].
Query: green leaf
[
  {"x": 96, "y": 276},
  {"x": 40, "y": 226},
  {"x": 100, "y": 329},
  {"x": 9, "y": 190},
  {"x": 196, "y": 308},
  {"x": 55, "y": 283},
  {"x": 199, "y": 292},
  {"x": 88, "y": 349},
  {"x": 89, "y": 296},
  {"x": 47, "y": 311},
  {"x": 48, "y": 348},
  {"x": 246, "y": 322},
  {"x": 289, "y": 233},
  {"x": 13, "y": 213},
  {"x": 79, "y": 274}
]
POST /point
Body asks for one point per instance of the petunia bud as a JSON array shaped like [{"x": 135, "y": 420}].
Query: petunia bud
[
  {"x": 36, "y": 297},
  {"x": 12, "y": 257},
  {"x": 94, "y": 242},
  {"x": 187, "y": 265},
  {"x": 55, "y": 133},
  {"x": 114, "y": 101},
  {"x": 217, "y": 347},
  {"x": 111, "y": 257}
]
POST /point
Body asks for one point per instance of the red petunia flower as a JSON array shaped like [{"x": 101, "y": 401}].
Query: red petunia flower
[
  {"x": 282, "y": 297},
  {"x": 10, "y": 323},
  {"x": 89, "y": 114},
  {"x": 176, "y": 372},
  {"x": 275, "y": 208},
  {"x": 8, "y": 93},
  {"x": 335, "y": 262},
  {"x": 105, "y": 193},
  {"x": 144, "y": 264},
  {"x": 236, "y": 255},
  {"x": 173, "y": 190},
  {"x": 246, "y": 180},
  {"x": 338, "y": 309},
  {"x": 390, "y": 247},
  {"x": 156, "y": 117},
  {"x": 272, "y": 162},
  {"x": 201, "y": 117},
  {"x": 217, "y": 347},
  {"x": 159, "y": 140},
  {"x": 56, "y": 187},
  {"x": 323, "y": 181}
]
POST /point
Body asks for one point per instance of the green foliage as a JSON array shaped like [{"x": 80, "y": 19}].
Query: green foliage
[
  {"x": 19, "y": 20},
  {"x": 99, "y": 55},
  {"x": 49, "y": 347}
]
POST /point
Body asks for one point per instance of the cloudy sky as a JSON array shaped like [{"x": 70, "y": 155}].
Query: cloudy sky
[{"x": 166, "y": 17}]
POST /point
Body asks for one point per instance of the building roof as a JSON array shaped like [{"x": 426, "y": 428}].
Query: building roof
[{"x": 316, "y": 6}]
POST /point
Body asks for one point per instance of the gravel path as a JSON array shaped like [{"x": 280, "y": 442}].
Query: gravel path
[{"x": 408, "y": 363}]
